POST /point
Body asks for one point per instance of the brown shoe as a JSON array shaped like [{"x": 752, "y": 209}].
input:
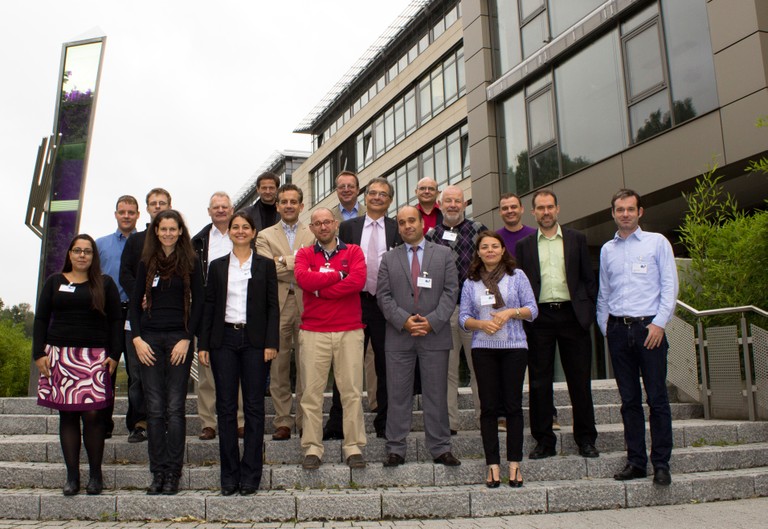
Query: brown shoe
[
  {"x": 283, "y": 433},
  {"x": 207, "y": 434},
  {"x": 241, "y": 432}
]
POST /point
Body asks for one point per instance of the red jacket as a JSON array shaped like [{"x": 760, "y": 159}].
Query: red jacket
[{"x": 331, "y": 304}]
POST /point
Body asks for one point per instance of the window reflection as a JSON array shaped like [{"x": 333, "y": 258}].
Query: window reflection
[
  {"x": 514, "y": 146},
  {"x": 565, "y": 13},
  {"x": 650, "y": 116},
  {"x": 542, "y": 120},
  {"x": 506, "y": 37},
  {"x": 645, "y": 69},
  {"x": 535, "y": 35}
]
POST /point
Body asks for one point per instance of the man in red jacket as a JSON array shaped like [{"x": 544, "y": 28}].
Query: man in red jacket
[{"x": 331, "y": 274}]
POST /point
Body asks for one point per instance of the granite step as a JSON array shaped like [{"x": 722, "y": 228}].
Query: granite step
[
  {"x": 467, "y": 444},
  {"x": 387, "y": 502}
]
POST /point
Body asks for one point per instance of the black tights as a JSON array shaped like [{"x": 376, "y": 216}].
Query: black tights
[{"x": 94, "y": 428}]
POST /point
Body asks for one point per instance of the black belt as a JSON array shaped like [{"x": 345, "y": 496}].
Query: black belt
[
  {"x": 367, "y": 295},
  {"x": 236, "y": 326},
  {"x": 555, "y": 305},
  {"x": 629, "y": 320}
]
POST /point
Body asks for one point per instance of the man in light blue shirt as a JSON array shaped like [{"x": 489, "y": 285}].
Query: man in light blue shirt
[{"x": 636, "y": 300}]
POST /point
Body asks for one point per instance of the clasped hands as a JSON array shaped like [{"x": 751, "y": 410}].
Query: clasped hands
[
  {"x": 496, "y": 323},
  {"x": 417, "y": 325}
]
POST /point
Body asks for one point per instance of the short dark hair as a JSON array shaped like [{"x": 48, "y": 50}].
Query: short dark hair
[
  {"x": 624, "y": 193},
  {"x": 542, "y": 192},
  {"x": 267, "y": 175},
  {"x": 290, "y": 187},
  {"x": 346, "y": 173},
  {"x": 128, "y": 199},
  {"x": 242, "y": 214},
  {"x": 382, "y": 181},
  {"x": 505, "y": 196},
  {"x": 418, "y": 211},
  {"x": 158, "y": 191}
]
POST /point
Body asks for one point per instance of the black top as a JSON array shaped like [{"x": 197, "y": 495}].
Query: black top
[
  {"x": 200, "y": 243},
  {"x": 263, "y": 215},
  {"x": 167, "y": 311},
  {"x": 67, "y": 319}
]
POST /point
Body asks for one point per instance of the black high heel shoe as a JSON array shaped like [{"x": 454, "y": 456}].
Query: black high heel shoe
[
  {"x": 515, "y": 477},
  {"x": 493, "y": 481},
  {"x": 95, "y": 486},
  {"x": 71, "y": 487}
]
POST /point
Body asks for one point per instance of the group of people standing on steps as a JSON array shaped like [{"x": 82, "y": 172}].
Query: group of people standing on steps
[{"x": 257, "y": 286}]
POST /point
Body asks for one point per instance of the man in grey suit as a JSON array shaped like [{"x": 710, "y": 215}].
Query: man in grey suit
[{"x": 416, "y": 290}]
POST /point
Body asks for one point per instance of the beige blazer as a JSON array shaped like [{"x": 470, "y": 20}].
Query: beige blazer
[{"x": 272, "y": 243}]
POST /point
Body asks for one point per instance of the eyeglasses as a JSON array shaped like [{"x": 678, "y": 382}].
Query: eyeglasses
[
  {"x": 156, "y": 203},
  {"x": 85, "y": 251},
  {"x": 322, "y": 223},
  {"x": 346, "y": 186},
  {"x": 374, "y": 193},
  {"x": 425, "y": 188}
]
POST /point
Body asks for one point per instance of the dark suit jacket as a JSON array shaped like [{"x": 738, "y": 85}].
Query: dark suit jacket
[
  {"x": 351, "y": 231},
  {"x": 200, "y": 244},
  {"x": 578, "y": 272},
  {"x": 255, "y": 213},
  {"x": 129, "y": 261},
  {"x": 262, "y": 308}
]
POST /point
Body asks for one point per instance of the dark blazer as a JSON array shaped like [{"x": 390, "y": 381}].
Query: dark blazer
[
  {"x": 254, "y": 212},
  {"x": 351, "y": 231},
  {"x": 578, "y": 271},
  {"x": 129, "y": 261},
  {"x": 262, "y": 308},
  {"x": 200, "y": 244}
]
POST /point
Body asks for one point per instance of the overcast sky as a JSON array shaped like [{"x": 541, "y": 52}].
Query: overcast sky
[{"x": 194, "y": 97}]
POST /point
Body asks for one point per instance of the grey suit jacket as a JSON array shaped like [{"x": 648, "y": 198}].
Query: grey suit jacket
[{"x": 394, "y": 295}]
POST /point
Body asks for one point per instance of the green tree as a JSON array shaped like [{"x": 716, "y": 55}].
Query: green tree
[
  {"x": 15, "y": 350},
  {"x": 761, "y": 165},
  {"x": 20, "y": 314}
]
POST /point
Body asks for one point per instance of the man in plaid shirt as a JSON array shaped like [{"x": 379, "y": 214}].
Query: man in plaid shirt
[{"x": 459, "y": 234}]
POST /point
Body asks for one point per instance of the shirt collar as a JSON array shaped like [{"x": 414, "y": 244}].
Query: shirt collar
[
  {"x": 354, "y": 209},
  {"x": 420, "y": 246},
  {"x": 559, "y": 233},
  {"x": 120, "y": 236},
  {"x": 369, "y": 221},
  {"x": 216, "y": 233},
  {"x": 288, "y": 227},
  {"x": 339, "y": 246},
  {"x": 638, "y": 234}
]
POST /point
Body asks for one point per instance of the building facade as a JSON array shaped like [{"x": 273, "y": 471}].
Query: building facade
[{"x": 283, "y": 163}]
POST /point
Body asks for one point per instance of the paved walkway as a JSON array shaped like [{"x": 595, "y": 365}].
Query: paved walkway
[{"x": 740, "y": 514}]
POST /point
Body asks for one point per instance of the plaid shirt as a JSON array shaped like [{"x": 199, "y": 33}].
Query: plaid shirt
[{"x": 463, "y": 247}]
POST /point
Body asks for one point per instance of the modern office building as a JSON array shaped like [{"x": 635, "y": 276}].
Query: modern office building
[
  {"x": 582, "y": 97},
  {"x": 282, "y": 163}
]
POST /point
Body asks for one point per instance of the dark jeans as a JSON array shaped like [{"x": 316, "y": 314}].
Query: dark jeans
[
  {"x": 165, "y": 393},
  {"x": 375, "y": 331},
  {"x": 500, "y": 374},
  {"x": 560, "y": 327},
  {"x": 137, "y": 411},
  {"x": 631, "y": 360},
  {"x": 236, "y": 364}
]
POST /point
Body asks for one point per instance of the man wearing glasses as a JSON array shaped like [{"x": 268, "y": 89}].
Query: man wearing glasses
[
  {"x": 375, "y": 233},
  {"x": 347, "y": 189},
  {"x": 331, "y": 275},
  {"x": 426, "y": 192}
]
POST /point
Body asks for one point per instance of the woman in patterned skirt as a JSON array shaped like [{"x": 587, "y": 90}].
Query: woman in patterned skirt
[{"x": 77, "y": 343}]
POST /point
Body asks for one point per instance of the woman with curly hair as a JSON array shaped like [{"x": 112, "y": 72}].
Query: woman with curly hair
[
  {"x": 76, "y": 344},
  {"x": 166, "y": 308}
]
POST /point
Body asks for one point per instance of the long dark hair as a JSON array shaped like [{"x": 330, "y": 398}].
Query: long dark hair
[
  {"x": 507, "y": 261},
  {"x": 180, "y": 262},
  {"x": 95, "y": 279}
]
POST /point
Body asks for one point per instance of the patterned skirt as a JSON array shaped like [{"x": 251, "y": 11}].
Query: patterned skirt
[{"x": 78, "y": 381}]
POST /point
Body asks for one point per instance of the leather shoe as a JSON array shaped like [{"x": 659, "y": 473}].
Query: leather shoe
[
  {"x": 247, "y": 490},
  {"x": 283, "y": 433},
  {"x": 71, "y": 487},
  {"x": 630, "y": 472},
  {"x": 356, "y": 461},
  {"x": 661, "y": 476},
  {"x": 207, "y": 434},
  {"x": 447, "y": 459},
  {"x": 329, "y": 435},
  {"x": 394, "y": 460},
  {"x": 171, "y": 485},
  {"x": 228, "y": 490},
  {"x": 241, "y": 432},
  {"x": 138, "y": 435},
  {"x": 156, "y": 487},
  {"x": 311, "y": 462},
  {"x": 454, "y": 432},
  {"x": 542, "y": 452},
  {"x": 588, "y": 450},
  {"x": 380, "y": 434},
  {"x": 95, "y": 486}
]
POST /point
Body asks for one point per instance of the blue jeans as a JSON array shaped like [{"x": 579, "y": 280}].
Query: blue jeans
[
  {"x": 237, "y": 363},
  {"x": 165, "y": 394},
  {"x": 631, "y": 360}
]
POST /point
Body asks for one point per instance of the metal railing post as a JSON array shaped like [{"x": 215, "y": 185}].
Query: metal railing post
[
  {"x": 747, "y": 368},
  {"x": 704, "y": 371}
]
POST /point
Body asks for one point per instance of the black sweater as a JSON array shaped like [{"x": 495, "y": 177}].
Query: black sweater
[{"x": 67, "y": 318}]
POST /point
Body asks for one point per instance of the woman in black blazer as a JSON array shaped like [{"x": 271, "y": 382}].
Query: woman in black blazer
[{"x": 239, "y": 337}]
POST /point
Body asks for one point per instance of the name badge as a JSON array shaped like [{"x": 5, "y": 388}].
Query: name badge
[
  {"x": 67, "y": 288},
  {"x": 127, "y": 325},
  {"x": 450, "y": 236},
  {"x": 639, "y": 268},
  {"x": 155, "y": 281},
  {"x": 327, "y": 269},
  {"x": 424, "y": 282},
  {"x": 488, "y": 299}
]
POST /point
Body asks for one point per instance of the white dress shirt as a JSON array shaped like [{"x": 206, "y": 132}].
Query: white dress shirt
[{"x": 237, "y": 289}]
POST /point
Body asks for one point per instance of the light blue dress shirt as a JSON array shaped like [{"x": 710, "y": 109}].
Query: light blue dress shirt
[
  {"x": 638, "y": 277},
  {"x": 110, "y": 250}
]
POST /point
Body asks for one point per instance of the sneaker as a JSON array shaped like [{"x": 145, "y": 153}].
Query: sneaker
[
  {"x": 311, "y": 463},
  {"x": 138, "y": 435}
]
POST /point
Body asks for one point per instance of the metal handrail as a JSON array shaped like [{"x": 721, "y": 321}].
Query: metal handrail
[{"x": 744, "y": 344}]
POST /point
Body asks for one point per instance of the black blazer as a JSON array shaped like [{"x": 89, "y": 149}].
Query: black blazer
[
  {"x": 351, "y": 231},
  {"x": 262, "y": 308},
  {"x": 578, "y": 272}
]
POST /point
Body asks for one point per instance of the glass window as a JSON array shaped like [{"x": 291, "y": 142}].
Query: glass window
[
  {"x": 412, "y": 168},
  {"x": 425, "y": 101},
  {"x": 645, "y": 70},
  {"x": 449, "y": 77},
  {"x": 565, "y": 13},
  {"x": 424, "y": 43},
  {"x": 401, "y": 186},
  {"x": 402, "y": 63},
  {"x": 506, "y": 36},
  {"x": 650, "y": 116},
  {"x": 514, "y": 146},
  {"x": 438, "y": 29},
  {"x": 413, "y": 53},
  {"x": 441, "y": 161},
  {"x": 428, "y": 164},
  {"x": 590, "y": 104},
  {"x": 529, "y": 7},
  {"x": 454, "y": 157},
  {"x": 399, "y": 121},
  {"x": 460, "y": 72},
  {"x": 389, "y": 128},
  {"x": 438, "y": 96},
  {"x": 451, "y": 17},
  {"x": 372, "y": 92},
  {"x": 535, "y": 35},
  {"x": 544, "y": 167},
  {"x": 541, "y": 120},
  {"x": 392, "y": 73},
  {"x": 689, "y": 52},
  {"x": 368, "y": 147},
  {"x": 640, "y": 18},
  {"x": 466, "y": 173},
  {"x": 378, "y": 136},
  {"x": 360, "y": 151},
  {"x": 381, "y": 83},
  {"x": 410, "y": 111}
]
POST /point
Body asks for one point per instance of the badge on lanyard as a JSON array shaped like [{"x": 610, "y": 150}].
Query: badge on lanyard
[
  {"x": 423, "y": 281},
  {"x": 67, "y": 288},
  {"x": 450, "y": 236},
  {"x": 327, "y": 268},
  {"x": 487, "y": 299},
  {"x": 639, "y": 268},
  {"x": 156, "y": 281}
]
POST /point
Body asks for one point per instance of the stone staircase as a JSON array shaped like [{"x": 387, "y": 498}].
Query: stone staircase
[{"x": 712, "y": 460}]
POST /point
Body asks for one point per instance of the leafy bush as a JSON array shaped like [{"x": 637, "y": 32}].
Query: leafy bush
[{"x": 15, "y": 353}]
